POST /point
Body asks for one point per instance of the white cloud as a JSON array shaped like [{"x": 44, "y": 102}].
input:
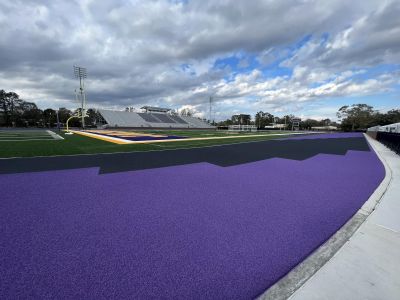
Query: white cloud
[{"x": 163, "y": 52}]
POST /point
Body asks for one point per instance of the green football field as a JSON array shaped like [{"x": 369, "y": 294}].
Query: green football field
[{"x": 29, "y": 143}]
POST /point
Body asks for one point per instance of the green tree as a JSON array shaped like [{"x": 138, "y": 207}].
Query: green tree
[
  {"x": 29, "y": 115},
  {"x": 262, "y": 119},
  {"x": 17, "y": 112},
  {"x": 393, "y": 116},
  {"x": 64, "y": 114},
  {"x": 9, "y": 104},
  {"x": 309, "y": 123},
  {"x": 356, "y": 117},
  {"x": 49, "y": 117},
  {"x": 92, "y": 116},
  {"x": 225, "y": 123},
  {"x": 286, "y": 120}
]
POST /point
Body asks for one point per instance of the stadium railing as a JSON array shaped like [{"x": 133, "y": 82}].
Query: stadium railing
[{"x": 390, "y": 140}]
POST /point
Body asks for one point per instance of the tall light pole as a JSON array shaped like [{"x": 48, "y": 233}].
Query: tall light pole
[
  {"x": 210, "y": 108},
  {"x": 58, "y": 120},
  {"x": 285, "y": 122},
  {"x": 211, "y": 101},
  {"x": 80, "y": 73}
]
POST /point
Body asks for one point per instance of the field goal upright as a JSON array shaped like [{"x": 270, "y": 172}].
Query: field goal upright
[{"x": 241, "y": 128}]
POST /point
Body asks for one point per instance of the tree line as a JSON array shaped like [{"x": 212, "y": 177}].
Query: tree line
[
  {"x": 262, "y": 119},
  {"x": 363, "y": 116},
  {"x": 15, "y": 112},
  {"x": 356, "y": 117}
]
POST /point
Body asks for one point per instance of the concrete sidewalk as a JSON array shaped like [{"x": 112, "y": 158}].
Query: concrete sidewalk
[{"x": 368, "y": 265}]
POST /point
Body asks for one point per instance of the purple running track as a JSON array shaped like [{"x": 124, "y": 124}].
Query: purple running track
[{"x": 185, "y": 232}]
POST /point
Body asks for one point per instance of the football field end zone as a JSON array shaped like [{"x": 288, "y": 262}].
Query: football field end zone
[
  {"x": 21, "y": 135},
  {"x": 126, "y": 142},
  {"x": 288, "y": 285},
  {"x": 101, "y": 137}
]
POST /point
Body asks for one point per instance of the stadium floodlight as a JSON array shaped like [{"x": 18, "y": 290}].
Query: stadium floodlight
[
  {"x": 81, "y": 73},
  {"x": 211, "y": 102},
  {"x": 210, "y": 107}
]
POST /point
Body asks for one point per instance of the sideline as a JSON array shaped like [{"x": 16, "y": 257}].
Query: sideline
[
  {"x": 301, "y": 282},
  {"x": 125, "y": 141}
]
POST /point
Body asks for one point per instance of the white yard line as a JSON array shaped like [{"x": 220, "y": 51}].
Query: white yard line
[
  {"x": 25, "y": 140},
  {"x": 47, "y": 135},
  {"x": 25, "y": 137},
  {"x": 54, "y": 135}
]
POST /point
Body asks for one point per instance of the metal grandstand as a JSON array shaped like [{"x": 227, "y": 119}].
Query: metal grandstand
[{"x": 158, "y": 119}]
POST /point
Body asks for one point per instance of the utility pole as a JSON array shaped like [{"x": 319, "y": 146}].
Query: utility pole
[
  {"x": 58, "y": 120},
  {"x": 285, "y": 122},
  {"x": 210, "y": 108},
  {"x": 80, "y": 73}
]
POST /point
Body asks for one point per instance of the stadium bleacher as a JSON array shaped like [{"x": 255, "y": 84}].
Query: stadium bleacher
[
  {"x": 177, "y": 119},
  {"x": 149, "y": 120},
  {"x": 164, "y": 118},
  {"x": 195, "y": 122}
]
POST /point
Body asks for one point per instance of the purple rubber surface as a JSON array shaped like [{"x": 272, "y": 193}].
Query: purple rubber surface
[{"x": 185, "y": 232}]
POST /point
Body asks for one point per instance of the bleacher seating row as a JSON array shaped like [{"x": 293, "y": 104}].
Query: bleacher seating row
[{"x": 147, "y": 120}]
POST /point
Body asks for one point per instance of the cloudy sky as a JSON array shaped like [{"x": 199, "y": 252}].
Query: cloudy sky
[{"x": 302, "y": 57}]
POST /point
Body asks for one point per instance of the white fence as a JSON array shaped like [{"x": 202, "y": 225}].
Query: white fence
[
  {"x": 251, "y": 128},
  {"x": 387, "y": 128}
]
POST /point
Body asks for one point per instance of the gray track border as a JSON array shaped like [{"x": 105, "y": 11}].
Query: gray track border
[{"x": 293, "y": 280}]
